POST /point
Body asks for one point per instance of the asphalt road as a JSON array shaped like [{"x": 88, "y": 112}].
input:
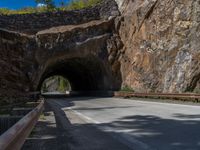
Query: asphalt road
[{"x": 122, "y": 124}]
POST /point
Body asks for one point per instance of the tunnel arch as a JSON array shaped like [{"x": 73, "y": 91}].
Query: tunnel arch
[{"x": 83, "y": 73}]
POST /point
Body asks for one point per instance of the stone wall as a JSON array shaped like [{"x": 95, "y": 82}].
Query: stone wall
[{"x": 32, "y": 23}]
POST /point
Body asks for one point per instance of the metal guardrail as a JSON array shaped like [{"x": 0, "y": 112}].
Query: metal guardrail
[
  {"x": 14, "y": 138},
  {"x": 186, "y": 96}
]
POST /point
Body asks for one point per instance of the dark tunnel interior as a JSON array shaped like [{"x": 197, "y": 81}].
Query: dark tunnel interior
[{"x": 83, "y": 74}]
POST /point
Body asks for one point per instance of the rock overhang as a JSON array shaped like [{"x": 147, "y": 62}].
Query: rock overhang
[{"x": 67, "y": 44}]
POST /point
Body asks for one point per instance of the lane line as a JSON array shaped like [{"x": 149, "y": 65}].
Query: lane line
[
  {"x": 122, "y": 137},
  {"x": 86, "y": 118}
]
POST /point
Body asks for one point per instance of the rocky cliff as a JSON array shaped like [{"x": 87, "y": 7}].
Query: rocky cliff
[
  {"x": 72, "y": 44},
  {"x": 161, "y": 51},
  {"x": 149, "y": 46}
]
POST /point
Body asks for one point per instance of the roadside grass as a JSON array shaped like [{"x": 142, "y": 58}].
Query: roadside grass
[
  {"x": 36, "y": 129},
  {"x": 42, "y": 117},
  {"x": 73, "y": 5},
  {"x": 126, "y": 89},
  {"x": 197, "y": 90},
  {"x": 33, "y": 132}
]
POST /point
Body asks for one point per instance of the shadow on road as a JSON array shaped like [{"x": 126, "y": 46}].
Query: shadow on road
[
  {"x": 47, "y": 135},
  {"x": 181, "y": 133},
  {"x": 165, "y": 134}
]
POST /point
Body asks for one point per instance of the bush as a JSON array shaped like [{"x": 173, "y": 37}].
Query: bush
[
  {"x": 27, "y": 10},
  {"x": 127, "y": 89},
  {"x": 80, "y": 4}
]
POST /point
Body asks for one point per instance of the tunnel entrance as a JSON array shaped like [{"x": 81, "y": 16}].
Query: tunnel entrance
[
  {"x": 55, "y": 85},
  {"x": 83, "y": 74}
]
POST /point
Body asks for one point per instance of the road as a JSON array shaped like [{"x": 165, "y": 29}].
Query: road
[{"x": 122, "y": 124}]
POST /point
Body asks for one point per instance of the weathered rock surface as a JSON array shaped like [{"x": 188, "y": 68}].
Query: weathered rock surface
[
  {"x": 151, "y": 45},
  {"x": 161, "y": 44},
  {"x": 75, "y": 50}
]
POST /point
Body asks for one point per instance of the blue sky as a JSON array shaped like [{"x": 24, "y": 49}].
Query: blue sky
[{"x": 17, "y": 4}]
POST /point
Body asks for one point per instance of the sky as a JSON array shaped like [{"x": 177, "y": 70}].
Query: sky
[{"x": 17, "y": 4}]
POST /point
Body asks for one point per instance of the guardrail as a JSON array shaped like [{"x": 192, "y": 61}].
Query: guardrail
[
  {"x": 14, "y": 138},
  {"x": 184, "y": 96}
]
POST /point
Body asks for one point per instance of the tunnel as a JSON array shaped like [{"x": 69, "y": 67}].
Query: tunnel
[{"x": 84, "y": 74}]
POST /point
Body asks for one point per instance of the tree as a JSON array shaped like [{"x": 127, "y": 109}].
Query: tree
[
  {"x": 49, "y": 3},
  {"x": 62, "y": 3}
]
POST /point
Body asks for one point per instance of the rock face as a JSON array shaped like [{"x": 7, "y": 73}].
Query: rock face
[
  {"x": 73, "y": 46},
  {"x": 149, "y": 46},
  {"x": 161, "y": 51},
  {"x": 13, "y": 80}
]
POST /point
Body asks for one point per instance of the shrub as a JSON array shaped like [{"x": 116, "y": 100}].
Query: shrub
[
  {"x": 27, "y": 10},
  {"x": 80, "y": 4},
  {"x": 127, "y": 89}
]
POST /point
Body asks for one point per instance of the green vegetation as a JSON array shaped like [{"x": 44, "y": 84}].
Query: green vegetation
[
  {"x": 42, "y": 117},
  {"x": 27, "y": 10},
  {"x": 197, "y": 90},
  {"x": 49, "y": 6},
  {"x": 55, "y": 83},
  {"x": 127, "y": 89},
  {"x": 63, "y": 84},
  {"x": 80, "y": 4}
]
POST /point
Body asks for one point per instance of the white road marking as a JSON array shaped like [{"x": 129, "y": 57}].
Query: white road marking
[
  {"x": 125, "y": 136},
  {"x": 122, "y": 136},
  {"x": 86, "y": 118}
]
